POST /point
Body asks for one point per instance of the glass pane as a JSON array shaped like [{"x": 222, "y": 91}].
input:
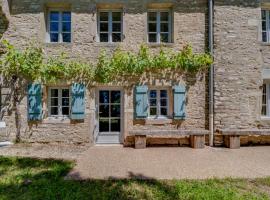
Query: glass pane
[
  {"x": 65, "y": 101},
  {"x": 164, "y": 37},
  {"x": 104, "y": 16},
  {"x": 152, "y": 27},
  {"x": 164, "y": 27},
  {"x": 152, "y": 16},
  {"x": 104, "y": 27},
  {"x": 163, "y": 111},
  {"x": 153, "y": 94},
  {"x": 104, "y": 125},
  {"x": 153, "y": 102},
  {"x": 264, "y": 25},
  {"x": 115, "y": 111},
  {"x": 116, "y": 27},
  {"x": 116, "y": 37},
  {"x": 115, "y": 125},
  {"x": 54, "y": 26},
  {"x": 163, "y": 93},
  {"x": 263, "y": 15},
  {"x": 66, "y": 27},
  {"x": 264, "y": 37},
  {"x": 54, "y": 92},
  {"x": 164, "y": 16},
  {"x": 153, "y": 111},
  {"x": 65, "y": 93},
  {"x": 54, "y": 101},
  {"x": 54, "y": 37},
  {"x": 54, "y": 16},
  {"x": 66, "y": 16},
  {"x": 115, "y": 96},
  {"x": 66, "y": 37},
  {"x": 104, "y": 96},
  {"x": 104, "y": 37},
  {"x": 54, "y": 110},
  {"x": 104, "y": 111},
  {"x": 163, "y": 102},
  {"x": 65, "y": 110},
  {"x": 152, "y": 37},
  {"x": 264, "y": 110},
  {"x": 116, "y": 16}
]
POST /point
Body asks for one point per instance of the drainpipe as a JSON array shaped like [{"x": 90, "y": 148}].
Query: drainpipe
[{"x": 211, "y": 73}]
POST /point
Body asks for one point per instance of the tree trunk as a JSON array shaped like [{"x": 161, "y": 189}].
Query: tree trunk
[{"x": 18, "y": 117}]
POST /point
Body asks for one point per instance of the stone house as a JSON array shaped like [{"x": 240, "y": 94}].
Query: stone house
[{"x": 169, "y": 108}]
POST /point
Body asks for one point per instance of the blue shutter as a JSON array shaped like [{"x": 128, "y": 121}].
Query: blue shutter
[
  {"x": 78, "y": 101},
  {"x": 179, "y": 95},
  {"x": 141, "y": 105},
  {"x": 34, "y": 102}
]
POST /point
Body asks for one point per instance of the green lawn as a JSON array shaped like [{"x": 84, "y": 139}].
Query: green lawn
[{"x": 25, "y": 178}]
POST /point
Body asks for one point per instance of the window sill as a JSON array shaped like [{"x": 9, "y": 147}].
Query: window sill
[
  {"x": 108, "y": 44},
  {"x": 171, "y": 44},
  {"x": 265, "y": 44},
  {"x": 66, "y": 44},
  {"x": 158, "y": 121},
  {"x": 57, "y": 120}
]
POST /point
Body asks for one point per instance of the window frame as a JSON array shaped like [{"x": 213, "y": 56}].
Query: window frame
[
  {"x": 110, "y": 27},
  {"x": 60, "y": 97},
  {"x": 158, "y": 24},
  {"x": 60, "y": 25},
  {"x": 158, "y": 106},
  {"x": 267, "y": 21}
]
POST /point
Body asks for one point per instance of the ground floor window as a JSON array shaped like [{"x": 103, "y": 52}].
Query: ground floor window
[
  {"x": 59, "y": 102},
  {"x": 158, "y": 103}
]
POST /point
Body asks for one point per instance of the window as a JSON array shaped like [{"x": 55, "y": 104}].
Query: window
[
  {"x": 159, "y": 27},
  {"x": 59, "y": 26},
  {"x": 265, "y": 26},
  {"x": 110, "y": 26},
  {"x": 158, "y": 103},
  {"x": 59, "y": 102}
]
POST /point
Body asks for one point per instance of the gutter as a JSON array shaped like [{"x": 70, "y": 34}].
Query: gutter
[{"x": 211, "y": 72}]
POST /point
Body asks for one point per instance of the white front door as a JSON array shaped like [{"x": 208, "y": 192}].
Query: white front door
[{"x": 109, "y": 116}]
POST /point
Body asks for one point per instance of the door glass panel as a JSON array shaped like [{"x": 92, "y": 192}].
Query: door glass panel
[
  {"x": 115, "y": 125},
  {"x": 104, "y": 125},
  {"x": 65, "y": 110},
  {"x": 104, "y": 111},
  {"x": 115, "y": 111},
  {"x": 54, "y": 110},
  {"x": 104, "y": 96},
  {"x": 115, "y": 96}
]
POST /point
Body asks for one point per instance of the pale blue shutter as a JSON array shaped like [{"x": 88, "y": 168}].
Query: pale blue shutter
[
  {"x": 141, "y": 105},
  {"x": 179, "y": 95},
  {"x": 34, "y": 102},
  {"x": 78, "y": 101}
]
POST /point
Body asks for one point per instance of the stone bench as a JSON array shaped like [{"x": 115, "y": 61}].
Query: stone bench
[
  {"x": 232, "y": 136},
  {"x": 197, "y": 137}
]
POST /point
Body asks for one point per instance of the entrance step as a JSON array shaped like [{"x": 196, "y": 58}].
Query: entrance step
[{"x": 108, "y": 139}]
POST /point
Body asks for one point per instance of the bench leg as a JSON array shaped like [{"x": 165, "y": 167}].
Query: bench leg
[
  {"x": 140, "y": 141},
  {"x": 232, "y": 141},
  {"x": 197, "y": 141}
]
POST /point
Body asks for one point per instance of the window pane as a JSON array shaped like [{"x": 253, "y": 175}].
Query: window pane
[
  {"x": 54, "y": 37},
  {"x": 115, "y": 111},
  {"x": 65, "y": 110},
  {"x": 153, "y": 94},
  {"x": 104, "y": 125},
  {"x": 153, "y": 111},
  {"x": 115, "y": 125},
  {"x": 54, "y": 92},
  {"x": 54, "y": 101},
  {"x": 104, "y": 27},
  {"x": 164, "y": 16},
  {"x": 152, "y": 16},
  {"x": 116, "y": 27},
  {"x": 163, "y": 111},
  {"x": 65, "y": 101},
  {"x": 66, "y": 27},
  {"x": 163, "y": 93},
  {"x": 54, "y": 110},
  {"x": 104, "y": 96},
  {"x": 264, "y": 110},
  {"x": 65, "y": 93},
  {"x": 164, "y": 37},
  {"x": 153, "y": 102},
  {"x": 54, "y": 16},
  {"x": 115, "y": 97},
  {"x": 54, "y": 26},
  {"x": 152, "y": 37},
  {"x": 66, "y": 37},
  {"x": 104, "y": 16},
  {"x": 152, "y": 27},
  {"x": 116, "y": 16},
  {"x": 263, "y": 15},
  {"x": 164, "y": 27},
  {"x": 116, "y": 37},
  {"x": 264, "y": 100},
  {"x": 66, "y": 16},
  {"x": 163, "y": 102},
  {"x": 264, "y": 36},
  {"x": 103, "y": 37},
  {"x": 104, "y": 111}
]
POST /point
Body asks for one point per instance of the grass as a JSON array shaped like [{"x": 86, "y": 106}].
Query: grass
[{"x": 25, "y": 178}]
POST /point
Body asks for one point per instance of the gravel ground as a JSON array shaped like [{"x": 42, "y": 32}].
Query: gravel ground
[{"x": 56, "y": 151}]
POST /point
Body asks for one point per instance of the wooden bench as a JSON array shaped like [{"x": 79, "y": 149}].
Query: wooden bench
[
  {"x": 197, "y": 137},
  {"x": 232, "y": 136}
]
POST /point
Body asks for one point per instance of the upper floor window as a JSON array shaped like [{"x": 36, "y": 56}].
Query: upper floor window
[
  {"x": 158, "y": 103},
  {"x": 265, "y": 26},
  {"x": 110, "y": 26},
  {"x": 59, "y": 102},
  {"x": 159, "y": 26},
  {"x": 265, "y": 99},
  {"x": 59, "y": 26}
]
